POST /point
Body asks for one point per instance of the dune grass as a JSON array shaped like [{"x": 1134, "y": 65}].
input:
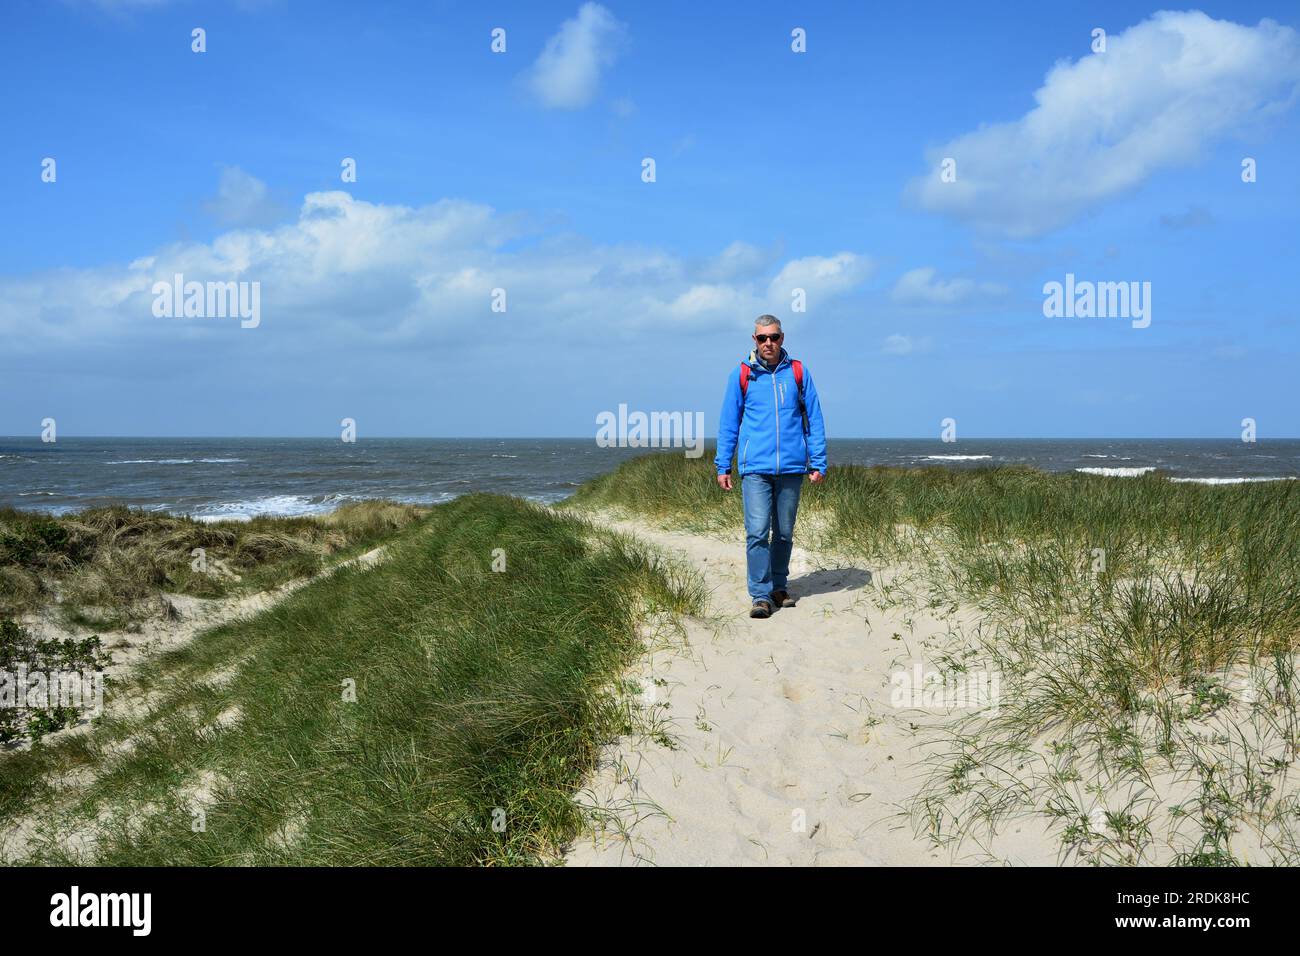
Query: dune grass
[
  {"x": 106, "y": 567},
  {"x": 441, "y": 707},
  {"x": 1145, "y": 632}
]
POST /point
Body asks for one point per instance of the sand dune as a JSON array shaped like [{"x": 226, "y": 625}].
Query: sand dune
[
  {"x": 184, "y": 617},
  {"x": 780, "y": 744}
]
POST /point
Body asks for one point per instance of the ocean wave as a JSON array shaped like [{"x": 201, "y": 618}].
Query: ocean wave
[
  {"x": 1117, "y": 472},
  {"x": 954, "y": 457},
  {"x": 298, "y": 506},
  {"x": 175, "y": 461},
  {"x": 1116, "y": 457},
  {"x": 1232, "y": 481},
  {"x": 548, "y": 497},
  {"x": 433, "y": 499},
  {"x": 272, "y": 506}
]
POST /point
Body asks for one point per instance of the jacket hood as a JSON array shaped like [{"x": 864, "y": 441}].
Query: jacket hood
[{"x": 756, "y": 364}]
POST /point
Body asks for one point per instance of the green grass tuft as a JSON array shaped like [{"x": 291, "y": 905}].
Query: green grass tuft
[{"x": 481, "y": 699}]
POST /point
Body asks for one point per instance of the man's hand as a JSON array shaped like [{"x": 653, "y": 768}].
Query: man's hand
[
  {"x": 724, "y": 481},
  {"x": 816, "y": 477}
]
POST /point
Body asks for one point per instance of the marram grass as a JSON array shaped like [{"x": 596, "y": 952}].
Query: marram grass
[
  {"x": 1146, "y": 634},
  {"x": 428, "y": 710},
  {"x": 107, "y": 567},
  {"x": 1122, "y": 614}
]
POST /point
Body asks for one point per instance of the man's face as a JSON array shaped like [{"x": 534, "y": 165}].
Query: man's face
[{"x": 768, "y": 340}]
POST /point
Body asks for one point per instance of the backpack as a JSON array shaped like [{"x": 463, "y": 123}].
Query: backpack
[{"x": 797, "y": 367}]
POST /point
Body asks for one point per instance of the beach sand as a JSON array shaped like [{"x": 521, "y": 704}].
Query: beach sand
[
  {"x": 785, "y": 741},
  {"x": 780, "y": 744}
]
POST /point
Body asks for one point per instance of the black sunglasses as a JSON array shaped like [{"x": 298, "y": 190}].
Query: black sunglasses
[{"x": 760, "y": 339}]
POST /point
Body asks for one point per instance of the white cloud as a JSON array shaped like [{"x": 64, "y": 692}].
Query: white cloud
[
  {"x": 821, "y": 277},
  {"x": 906, "y": 345},
  {"x": 349, "y": 274},
  {"x": 567, "y": 73},
  {"x": 1162, "y": 92},
  {"x": 714, "y": 301},
  {"x": 242, "y": 200},
  {"x": 920, "y": 287},
  {"x": 739, "y": 260}
]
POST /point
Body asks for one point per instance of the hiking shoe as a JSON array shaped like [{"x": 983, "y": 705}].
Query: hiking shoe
[
  {"x": 761, "y": 609},
  {"x": 783, "y": 599}
]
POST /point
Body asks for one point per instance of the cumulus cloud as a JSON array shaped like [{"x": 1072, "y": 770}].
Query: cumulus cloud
[
  {"x": 739, "y": 260},
  {"x": 354, "y": 274},
  {"x": 821, "y": 277},
  {"x": 242, "y": 200},
  {"x": 906, "y": 345},
  {"x": 1160, "y": 94},
  {"x": 921, "y": 287},
  {"x": 567, "y": 73}
]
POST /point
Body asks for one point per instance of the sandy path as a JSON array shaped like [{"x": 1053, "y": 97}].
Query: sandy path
[{"x": 788, "y": 750}]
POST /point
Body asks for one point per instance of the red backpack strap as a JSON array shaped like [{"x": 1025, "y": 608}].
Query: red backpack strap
[
  {"x": 797, "y": 367},
  {"x": 745, "y": 372}
]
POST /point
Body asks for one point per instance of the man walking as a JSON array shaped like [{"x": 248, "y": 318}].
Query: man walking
[{"x": 772, "y": 415}]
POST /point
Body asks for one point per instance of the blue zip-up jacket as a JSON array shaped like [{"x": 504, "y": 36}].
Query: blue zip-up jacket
[{"x": 768, "y": 437}]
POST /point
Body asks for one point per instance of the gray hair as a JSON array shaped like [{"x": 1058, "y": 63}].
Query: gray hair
[{"x": 764, "y": 320}]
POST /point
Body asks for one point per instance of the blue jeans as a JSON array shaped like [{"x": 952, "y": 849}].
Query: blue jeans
[{"x": 771, "y": 502}]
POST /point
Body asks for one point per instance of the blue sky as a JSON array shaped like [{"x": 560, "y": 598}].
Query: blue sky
[{"x": 775, "y": 171}]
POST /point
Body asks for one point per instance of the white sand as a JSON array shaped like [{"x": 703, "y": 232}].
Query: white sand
[{"x": 788, "y": 749}]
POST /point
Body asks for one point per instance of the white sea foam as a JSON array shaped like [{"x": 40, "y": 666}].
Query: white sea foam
[
  {"x": 956, "y": 457},
  {"x": 175, "y": 461},
  {"x": 437, "y": 499},
  {"x": 279, "y": 506},
  {"x": 1232, "y": 481},
  {"x": 296, "y": 506},
  {"x": 1117, "y": 472}
]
